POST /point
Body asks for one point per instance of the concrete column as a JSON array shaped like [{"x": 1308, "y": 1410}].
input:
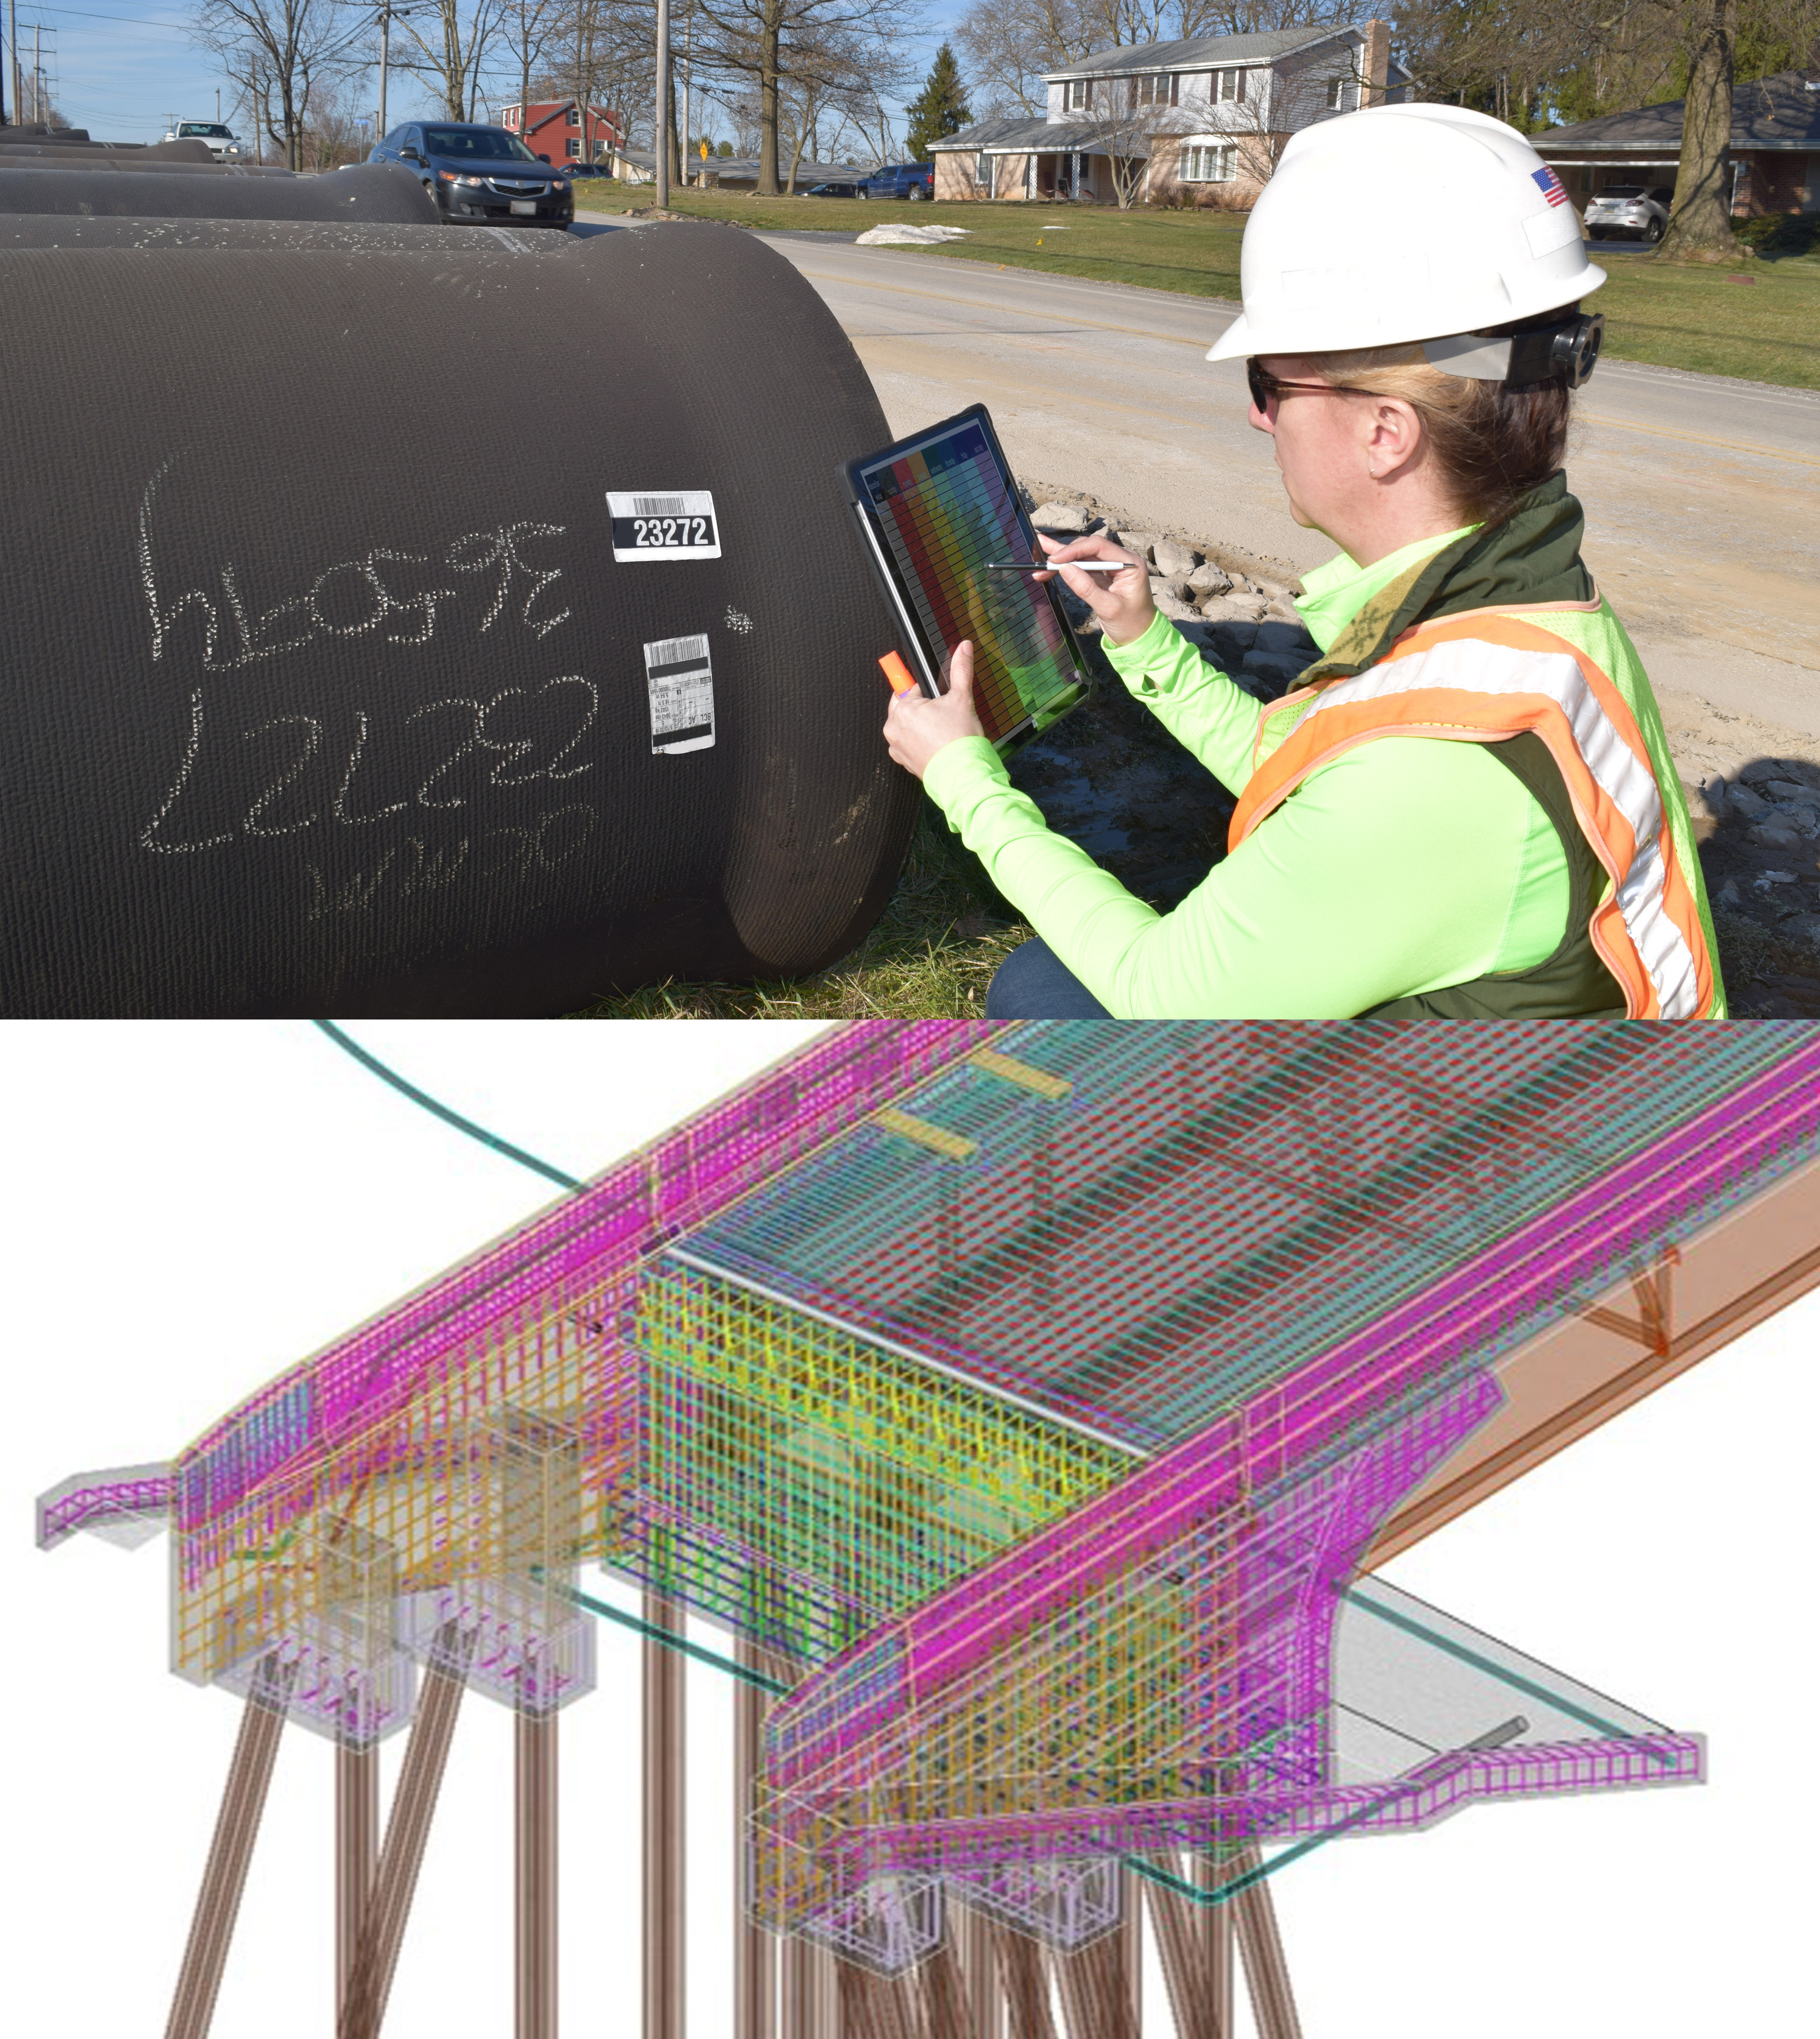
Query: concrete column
[
  {"x": 534, "y": 1876},
  {"x": 407, "y": 1832},
  {"x": 230, "y": 1852},
  {"x": 1260, "y": 1946},
  {"x": 356, "y": 1851},
  {"x": 664, "y": 1859}
]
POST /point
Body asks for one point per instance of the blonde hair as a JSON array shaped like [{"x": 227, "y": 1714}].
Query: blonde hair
[{"x": 1493, "y": 445}]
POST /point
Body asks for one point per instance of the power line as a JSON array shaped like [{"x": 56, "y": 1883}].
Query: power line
[{"x": 134, "y": 21}]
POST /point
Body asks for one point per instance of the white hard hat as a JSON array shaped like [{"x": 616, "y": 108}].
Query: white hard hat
[{"x": 1400, "y": 223}]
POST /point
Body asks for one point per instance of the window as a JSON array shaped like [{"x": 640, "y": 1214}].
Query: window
[
  {"x": 575, "y": 116},
  {"x": 983, "y": 175},
  {"x": 574, "y": 146},
  {"x": 1154, "y": 88},
  {"x": 1342, "y": 95},
  {"x": 1227, "y": 84},
  {"x": 1077, "y": 92},
  {"x": 1208, "y": 163}
]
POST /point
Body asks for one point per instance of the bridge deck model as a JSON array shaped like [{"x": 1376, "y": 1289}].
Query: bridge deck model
[{"x": 1031, "y": 1404}]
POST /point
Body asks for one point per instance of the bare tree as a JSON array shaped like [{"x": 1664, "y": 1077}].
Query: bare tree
[
  {"x": 527, "y": 29},
  {"x": 295, "y": 47},
  {"x": 599, "y": 56},
  {"x": 774, "y": 43},
  {"x": 1124, "y": 117},
  {"x": 453, "y": 38},
  {"x": 831, "y": 73},
  {"x": 331, "y": 134},
  {"x": 1009, "y": 44},
  {"x": 1534, "y": 62},
  {"x": 1700, "y": 219}
]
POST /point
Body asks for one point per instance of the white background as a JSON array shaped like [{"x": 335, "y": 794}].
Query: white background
[{"x": 192, "y": 1207}]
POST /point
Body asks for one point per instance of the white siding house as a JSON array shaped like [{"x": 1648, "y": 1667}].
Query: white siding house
[{"x": 1201, "y": 122}]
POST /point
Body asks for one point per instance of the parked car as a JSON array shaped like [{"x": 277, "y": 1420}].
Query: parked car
[
  {"x": 912, "y": 180},
  {"x": 586, "y": 170},
  {"x": 479, "y": 173},
  {"x": 224, "y": 144},
  {"x": 1629, "y": 210},
  {"x": 833, "y": 191}
]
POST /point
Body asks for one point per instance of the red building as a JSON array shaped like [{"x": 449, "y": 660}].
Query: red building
[{"x": 564, "y": 129}]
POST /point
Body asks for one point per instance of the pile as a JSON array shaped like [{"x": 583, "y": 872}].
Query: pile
[{"x": 910, "y": 236}]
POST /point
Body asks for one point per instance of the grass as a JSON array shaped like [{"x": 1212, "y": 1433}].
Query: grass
[
  {"x": 930, "y": 956},
  {"x": 1673, "y": 314},
  {"x": 1760, "y": 321}
]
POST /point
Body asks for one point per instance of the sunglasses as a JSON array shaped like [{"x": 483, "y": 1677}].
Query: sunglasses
[{"x": 1264, "y": 385}]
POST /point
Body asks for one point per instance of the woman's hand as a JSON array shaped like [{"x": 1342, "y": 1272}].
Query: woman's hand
[
  {"x": 917, "y": 728},
  {"x": 1120, "y": 601}
]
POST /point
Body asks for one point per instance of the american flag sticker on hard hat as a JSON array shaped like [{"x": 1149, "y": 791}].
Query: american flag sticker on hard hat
[{"x": 1551, "y": 185}]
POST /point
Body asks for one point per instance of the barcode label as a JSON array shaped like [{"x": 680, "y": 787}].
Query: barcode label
[
  {"x": 680, "y": 681},
  {"x": 678, "y": 526}
]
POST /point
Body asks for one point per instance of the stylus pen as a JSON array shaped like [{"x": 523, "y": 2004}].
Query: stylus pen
[{"x": 1056, "y": 566}]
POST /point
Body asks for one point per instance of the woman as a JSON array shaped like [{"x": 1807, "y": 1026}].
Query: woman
[{"x": 1467, "y": 808}]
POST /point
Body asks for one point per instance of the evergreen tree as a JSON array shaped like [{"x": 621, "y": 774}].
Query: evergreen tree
[{"x": 940, "y": 109}]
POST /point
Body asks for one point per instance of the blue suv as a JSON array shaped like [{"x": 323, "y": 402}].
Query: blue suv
[
  {"x": 901, "y": 180},
  {"x": 481, "y": 174}
]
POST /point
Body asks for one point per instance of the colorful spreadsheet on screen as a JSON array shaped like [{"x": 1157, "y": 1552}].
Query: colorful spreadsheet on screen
[{"x": 946, "y": 509}]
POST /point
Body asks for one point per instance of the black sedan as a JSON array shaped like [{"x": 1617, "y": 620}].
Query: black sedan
[{"x": 481, "y": 174}]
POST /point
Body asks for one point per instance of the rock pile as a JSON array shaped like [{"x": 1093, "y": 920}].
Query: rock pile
[{"x": 1245, "y": 624}]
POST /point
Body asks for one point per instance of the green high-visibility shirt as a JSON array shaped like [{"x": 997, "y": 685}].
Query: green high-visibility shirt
[{"x": 1405, "y": 865}]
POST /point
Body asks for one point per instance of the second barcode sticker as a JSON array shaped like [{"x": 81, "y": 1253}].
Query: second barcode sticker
[
  {"x": 678, "y": 525},
  {"x": 680, "y": 683}
]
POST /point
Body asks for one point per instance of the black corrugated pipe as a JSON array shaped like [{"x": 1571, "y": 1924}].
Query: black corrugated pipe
[
  {"x": 187, "y": 151},
  {"x": 53, "y": 229},
  {"x": 328, "y": 693},
  {"x": 58, "y": 164},
  {"x": 181, "y": 190}
]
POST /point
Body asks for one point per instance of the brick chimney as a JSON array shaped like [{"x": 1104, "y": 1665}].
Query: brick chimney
[{"x": 1374, "y": 62}]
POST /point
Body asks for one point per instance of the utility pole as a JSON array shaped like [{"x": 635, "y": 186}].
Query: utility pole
[
  {"x": 13, "y": 44},
  {"x": 385, "y": 61},
  {"x": 660, "y": 125},
  {"x": 688, "y": 41},
  {"x": 37, "y": 74},
  {"x": 385, "y": 14}
]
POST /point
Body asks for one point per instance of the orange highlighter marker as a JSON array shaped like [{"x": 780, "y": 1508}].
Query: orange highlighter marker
[{"x": 898, "y": 673}]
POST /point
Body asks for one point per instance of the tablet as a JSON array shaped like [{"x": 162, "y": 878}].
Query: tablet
[{"x": 934, "y": 508}]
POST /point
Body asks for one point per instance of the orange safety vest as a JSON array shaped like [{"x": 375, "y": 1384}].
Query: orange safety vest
[{"x": 1484, "y": 675}]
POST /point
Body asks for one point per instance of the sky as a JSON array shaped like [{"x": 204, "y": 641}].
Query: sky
[{"x": 124, "y": 72}]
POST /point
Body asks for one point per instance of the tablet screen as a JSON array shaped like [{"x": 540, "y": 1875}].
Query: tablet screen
[{"x": 944, "y": 503}]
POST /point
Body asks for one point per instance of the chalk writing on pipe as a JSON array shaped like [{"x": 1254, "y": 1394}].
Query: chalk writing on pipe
[
  {"x": 352, "y": 598},
  {"x": 521, "y": 852},
  {"x": 508, "y": 767}
]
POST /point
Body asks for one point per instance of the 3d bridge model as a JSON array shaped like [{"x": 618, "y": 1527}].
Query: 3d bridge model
[{"x": 1032, "y": 1404}]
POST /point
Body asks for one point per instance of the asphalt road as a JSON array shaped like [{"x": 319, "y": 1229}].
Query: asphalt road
[{"x": 1702, "y": 494}]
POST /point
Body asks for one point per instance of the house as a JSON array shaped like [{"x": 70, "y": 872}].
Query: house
[
  {"x": 561, "y": 130},
  {"x": 1774, "y": 147},
  {"x": 1199, "y": 122}
]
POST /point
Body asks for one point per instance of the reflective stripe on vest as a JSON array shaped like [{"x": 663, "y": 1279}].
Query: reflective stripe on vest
[{"x": 1487, "y": 675}]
